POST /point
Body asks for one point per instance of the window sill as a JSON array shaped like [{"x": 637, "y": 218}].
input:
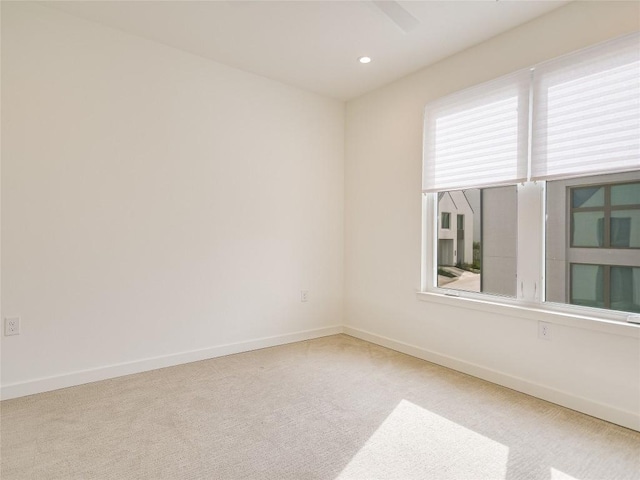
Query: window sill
[{"x": 526, "y": 312}]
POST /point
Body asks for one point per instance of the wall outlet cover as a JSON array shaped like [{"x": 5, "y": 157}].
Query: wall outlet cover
[
  {"x": 544, "y": 331},
  {"x": 12, "y": 326}
]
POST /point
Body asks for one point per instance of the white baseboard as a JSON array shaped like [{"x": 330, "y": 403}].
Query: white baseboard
[
  {"x": 606, "y": 412},
  {"x": 580, "y": 404},
  {"x": 71, "y": 379}
]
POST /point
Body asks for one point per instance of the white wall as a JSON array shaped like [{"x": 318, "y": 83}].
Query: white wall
[
  {"x": 156, "y": 203},
  {"x": 586, "y": 366}
]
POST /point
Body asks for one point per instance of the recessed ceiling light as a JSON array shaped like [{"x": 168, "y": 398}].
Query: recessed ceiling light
[{"x": 364, "y": 59}]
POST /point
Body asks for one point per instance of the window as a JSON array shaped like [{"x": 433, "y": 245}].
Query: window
[
  {"x": 606, "y": 286},
  {"x": 595, "y": 262},
  {"x": 446, "y": 220},
  {"x": 482, "y": 257},
  {"x": 602, "y": 216},
  {"x": 541, "y": 169}
]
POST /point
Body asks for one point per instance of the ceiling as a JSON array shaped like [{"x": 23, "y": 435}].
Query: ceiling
[{"x": 314, "y": 45}]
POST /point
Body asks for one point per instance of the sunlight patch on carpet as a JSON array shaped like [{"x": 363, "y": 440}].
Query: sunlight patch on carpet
[
  {"x": 414, "y": 443},
  {"x": 558, "y": 475}
]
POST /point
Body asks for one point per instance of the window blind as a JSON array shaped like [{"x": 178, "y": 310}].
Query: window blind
[
  {"x": 586, "y": 112},
  {"x": 478, "y": 137}
]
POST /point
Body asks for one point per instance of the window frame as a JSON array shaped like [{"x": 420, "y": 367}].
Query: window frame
[
  {"x": 530, "y": 296},
  {"x": 527, "y": 290}
]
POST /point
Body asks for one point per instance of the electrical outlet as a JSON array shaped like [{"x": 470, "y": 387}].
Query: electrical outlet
[
  {"x": 12, "y": 326},
  {"x": 544, "y": 331},
  {"x": 304, "y": 295}
]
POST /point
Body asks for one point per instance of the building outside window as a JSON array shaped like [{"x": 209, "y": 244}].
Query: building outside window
[
  {"x": 455, "y": 245},
  {"x": 594, "y": 260}
]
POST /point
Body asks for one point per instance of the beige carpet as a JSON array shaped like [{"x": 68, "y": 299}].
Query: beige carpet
[{"x": 330, "y": 408}]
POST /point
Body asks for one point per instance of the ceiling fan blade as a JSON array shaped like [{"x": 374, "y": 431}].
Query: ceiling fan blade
[{"x": 397, "y": 14}]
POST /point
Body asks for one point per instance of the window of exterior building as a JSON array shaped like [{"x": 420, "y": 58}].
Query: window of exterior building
[
  {"x": 606, "y": 216},
  {"x": 446, "y": 220},
  {"x": 606, "y": 286}
]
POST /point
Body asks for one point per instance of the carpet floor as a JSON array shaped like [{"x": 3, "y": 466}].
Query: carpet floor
[{"x": 330, "y": 408}]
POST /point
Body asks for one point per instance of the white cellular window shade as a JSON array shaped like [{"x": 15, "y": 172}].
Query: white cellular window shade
[
  {"x": 478, "y": 137},
  {"x": 586, "y": 112}
]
